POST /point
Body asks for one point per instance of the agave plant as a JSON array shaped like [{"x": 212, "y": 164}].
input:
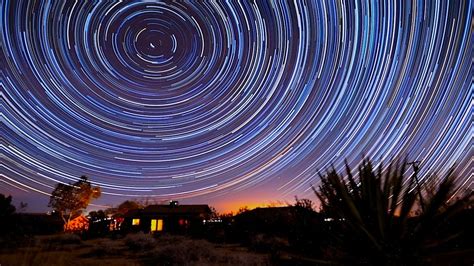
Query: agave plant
[{"x": 386, "y": 218}]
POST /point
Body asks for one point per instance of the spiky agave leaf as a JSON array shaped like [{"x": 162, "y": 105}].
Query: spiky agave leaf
[{"x": 378, "y": 208}]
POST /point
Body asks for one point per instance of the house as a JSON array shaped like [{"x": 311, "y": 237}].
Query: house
[
  {"x": 78, "y": 224},
  {"x": 293, "y": 223},
  {"x": 172, "y": 218}
]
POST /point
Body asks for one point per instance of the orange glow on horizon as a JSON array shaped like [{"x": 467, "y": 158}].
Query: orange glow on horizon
[{"x": 234, "y": 207}]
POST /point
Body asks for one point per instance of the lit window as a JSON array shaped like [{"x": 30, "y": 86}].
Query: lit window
[
  {"x": 159, "y": 226},
  {"x": 153, "y": 225},
  {"x": 156, "y": 225},
  {"x": 135, "y": 221}
]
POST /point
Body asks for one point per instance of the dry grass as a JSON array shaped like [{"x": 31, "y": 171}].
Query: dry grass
[
  {"x": 165, "y": 250},
  {"x": 37, "y": 256},
  {"x": 201, "y": 252}
]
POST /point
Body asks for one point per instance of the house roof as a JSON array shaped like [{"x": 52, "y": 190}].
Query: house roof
[
  {"x": 80, "y": 218},
  {"x": 169, "y": 209},
  {"x": 286, "y": 211},
  {"x": 181, "y": 209}
]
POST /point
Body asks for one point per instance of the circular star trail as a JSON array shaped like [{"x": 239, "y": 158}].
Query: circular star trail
[{"x": 177, "y": 100}]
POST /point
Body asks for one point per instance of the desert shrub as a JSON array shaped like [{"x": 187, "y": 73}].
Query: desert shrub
[
  {"x": 140, "y": 241},
  {"x": 265, "y": 243},
  {"x": 172, "y": 239},
  {"x": 38, "y": 257},
  {"x": 60, "y": 242},
  {"x": 241, "y": 260},
  {"x": 12, "y": 242},
  {"x": 64, "y": 239},
  {"x": 102, "y": 250},
  {"x": 197, "y": 252},
  {"x": 115, "y": 235},
  {"x": 183, "y": 253}
]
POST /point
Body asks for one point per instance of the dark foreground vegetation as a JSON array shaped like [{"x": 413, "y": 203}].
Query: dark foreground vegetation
[
  {"x": 385, "y": 218},
  {"x": 382, "y": 216},
  {"x": 133, "y": 249}
]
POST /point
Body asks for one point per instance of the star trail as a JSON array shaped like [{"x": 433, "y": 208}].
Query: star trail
[{"x": 202, "y": 100}]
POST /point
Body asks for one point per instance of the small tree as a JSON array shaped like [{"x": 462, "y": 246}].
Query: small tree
[
  {"x": 242, "y": 210},
  {"x": 23, "y": 206},
  {"x": 97, "y": 215},
  {"x": 6, "y": 207},
  {"x": 7, "y": 212},
  {"x": 70, "y": 199},
  {"x": 128, "y": 205},
  {"x": 304, "y": 204},
  {"x": 214, "y": 213}
]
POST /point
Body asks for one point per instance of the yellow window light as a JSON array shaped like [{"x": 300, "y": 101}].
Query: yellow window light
[
  {"x": 159, "y": 226},
  {"x": 153, "y": 225}
]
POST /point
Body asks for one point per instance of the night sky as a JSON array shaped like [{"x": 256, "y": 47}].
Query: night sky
[{"x": 229, "y": 104}]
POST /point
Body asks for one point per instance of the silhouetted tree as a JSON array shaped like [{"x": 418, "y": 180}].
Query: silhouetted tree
[
  {"x": 127, "y": 205},
  {"x": 6, "y": 207},
  {"x": 242, "y": 210},
  {"x": 97, "y": 215},
  {"x": 375, "y": 213},
  {"x": 214, "y": 213},
  {"x": 304, "y": 203},
  {"x": 98, "y": 223},
  {"x": 23, "y": 206},
  {"x": 69, "y": 200},
  {"x": 147, "y": 201},
  {"x": 7, "y": 211}
]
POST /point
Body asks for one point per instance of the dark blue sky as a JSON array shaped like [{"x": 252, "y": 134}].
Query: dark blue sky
[{"x": 227, "y": 103}]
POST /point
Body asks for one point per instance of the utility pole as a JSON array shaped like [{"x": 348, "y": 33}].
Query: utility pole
[{"x": 416, "y": 168}]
